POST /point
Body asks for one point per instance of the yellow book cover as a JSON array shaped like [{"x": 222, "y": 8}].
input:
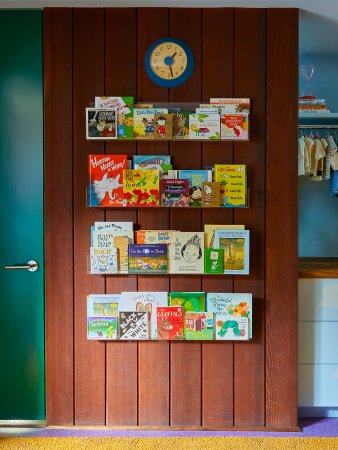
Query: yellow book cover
[
  {"x": 141, "y": 188},
  {"x": 209, "y": 232},
  {"x": 233, "y": 184}
]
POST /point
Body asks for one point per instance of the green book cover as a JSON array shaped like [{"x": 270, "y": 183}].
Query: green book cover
[
  {"x": 199, "y": 325},
  {"x": 213, "y": 260},
  {"x": 191, "y": 301}
]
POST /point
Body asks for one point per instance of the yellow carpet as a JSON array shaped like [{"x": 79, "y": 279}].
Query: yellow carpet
[{"x": 165, "y": 443}]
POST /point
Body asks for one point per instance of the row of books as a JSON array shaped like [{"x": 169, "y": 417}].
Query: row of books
[
  {"x": 311, "y": 104},
  {"x": 169, "y": 316},
  {"x": 151, "y": 181},
  {"x": 117, "y": 249},
  {"x": 120, "y": 118}
]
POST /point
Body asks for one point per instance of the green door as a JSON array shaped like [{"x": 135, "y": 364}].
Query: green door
[{"x": 22, "y": 383}]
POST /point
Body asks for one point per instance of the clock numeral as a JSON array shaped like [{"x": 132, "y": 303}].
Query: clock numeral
[
  {"x": 183, "y": 60},
  {"x": 180, "y": 54},
  {"x": 176, "y": 73},
  {"x": 161, "y": 48},
  {"x": 168, "y": 47},
  {"x": 157, "y": 53},
  {"x": 154, "y": 61},
  {"x": 169, "y": 75},
  {"x": 162, "y": 72},
  {"x": 157, "y": 68},
  {"x": 181, "y": 68}
]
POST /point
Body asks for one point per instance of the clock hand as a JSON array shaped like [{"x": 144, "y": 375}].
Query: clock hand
[
  {"x": 172, "y": 76},
  {"x": 173, "y": 55}
]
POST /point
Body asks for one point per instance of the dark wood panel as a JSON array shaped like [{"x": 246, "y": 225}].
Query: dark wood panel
[
  {"x": 281, "y": 218},
  {"x": 90, "y": 391},
  {"x": 249, "y": 396},
  {"x": 58, "y": 215}
]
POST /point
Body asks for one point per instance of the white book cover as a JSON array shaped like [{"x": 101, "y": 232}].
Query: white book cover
[
  {"x": 231, "y": 329},
  {"x": 145, "y": 301},
  {"x": 103, "y": 260},
  {"x": 204, "y": 126},
  {"x": 236, "y": 305},
  {"x": 235, "y": 245},
  {"x": 113, "y": 226},
  {"x": 232, "y": 105},
  {"x": 118, "y": 239},
  {"x": 103, "y": 305},
  {"x": 113, "y": 102},
  {"x": 207, "y": 110},
  {"x": 188, "y": 252}
]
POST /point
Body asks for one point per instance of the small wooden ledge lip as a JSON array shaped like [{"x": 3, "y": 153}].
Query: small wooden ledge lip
[
  {"x": 187, "y": 428},
  {"x": 321, "y": 267}
]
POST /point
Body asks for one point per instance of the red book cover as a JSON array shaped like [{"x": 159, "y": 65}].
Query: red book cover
[
  {"x": 105, "y": 183},
  {"x": 170, "y": 322}
]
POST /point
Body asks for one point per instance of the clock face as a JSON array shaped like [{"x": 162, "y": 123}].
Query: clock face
[{"x": 169, "y": 62}]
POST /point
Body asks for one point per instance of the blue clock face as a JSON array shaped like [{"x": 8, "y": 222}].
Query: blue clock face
[{"x": 169, "y": 62}]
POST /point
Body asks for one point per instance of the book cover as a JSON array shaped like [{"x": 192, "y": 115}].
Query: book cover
[
  {"x": 209, "y": 232},
  {"x": 211, "y": 194},
  {"x": 103, "y": 260},
  {"x": 102, "y": 328},
  {"x": 101, "y": 123},
  {"x": 233, "y": 184},
  {"x": 105, "y": 179},
  {"x": 195, "y": 178},
  {"x": 204, "y": 126},
  {"x": 103, "y": 305},
  {"x": 190, "y": 301},
  {"x": 163, "y": 126},
  {"x": 152, "y": 162},
  {"x": 144, "y": 121},
  {"x": 175, "y": 193},
  {"x": 231, "y": 329},
  {"x": 236, "y": 305},
  {"x": 141, "y": 188},
  {"x": 120, "y": 240},
  {"x": 156, "y": 237},
  {"x": 188, "y": 252},
  {"x": 124, "y": 107},
  {"x": 235, "y": 126},
  {"x": 147, "y": 258},
  {"x": 232, "y": 105},
  {"x": 199, "y": 325},
  {"x": 145, "y": 301},
  {"x": 134, "y": 325},
  {"x": 113, "y": 226},
  {"x": 170, "y": 322},
  {"x": 235, "y": 245},
  {"x": 213, "y": 260},
  {"x": 181, "y": 125}
]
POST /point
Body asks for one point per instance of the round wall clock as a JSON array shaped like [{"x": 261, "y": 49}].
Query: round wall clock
[{"x": 169, "y": 62}]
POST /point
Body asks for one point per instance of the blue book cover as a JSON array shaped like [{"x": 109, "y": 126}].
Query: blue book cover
[
  {"x": 147, "y": 258},
  {"x": 153, "y": 162},
  {"x": 235, "y": 245},
  {"x": 195, "y": 178}
]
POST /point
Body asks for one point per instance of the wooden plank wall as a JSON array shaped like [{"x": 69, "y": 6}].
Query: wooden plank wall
[{"x": 238, "y": 53}]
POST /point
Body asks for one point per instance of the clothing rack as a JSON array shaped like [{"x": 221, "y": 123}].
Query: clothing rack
[{"x": 319, "y": 127}]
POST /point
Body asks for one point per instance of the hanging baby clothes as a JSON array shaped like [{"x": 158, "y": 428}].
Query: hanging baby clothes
[
  {"x": 334, "y": 184},
  {"x": 318, "y": 154},
  {"x": 307, "y": 155},
  {"x": 301, "y": 148},
  {"x": 331, "y": 150}
]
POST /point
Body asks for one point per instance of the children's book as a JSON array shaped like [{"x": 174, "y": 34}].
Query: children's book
[
  {"x": 144, "y": 121},
  {"x": 195, "y": 178},
  {"x": 120, "y": 240},
  {"x": 175, "y": 193},
  {"x": 232, "y": 105},
  {"x": 102, "y": 328},
  {"x": 211, "y": 194},
  {"x": 103, "y": 305},
  {"x": 152, "y": 162},
  {"x": 188, "y": 252},
  {"x": 213, "y": 261},
  {"x": 190, "y": 301},
  {"x": 113, "y": 226},
  {"x": 134, "y": 325},
  {"x": 145, "y": 301},
  {"x": 233, "y": 184},
  {"x": 199, "y": 325},
  {"x": 124, "y": 107},
  {"x": 105, "y": 179},
  {"x": 235, "y": 245},
  {"x": 235, "y": 126},
  {"x": 147, "y": 258},
  {"x": 156, "y": 237},
  {"x": 204, "y": 126},
  {"x": 141, "y": 188},
  {"x": 163, "y": 126},
  {"x": 236, "y": 305},
  {"x": 231, "y": 329},
  {"x": 209, "y": 232},
  {"x": 103, "y": 260},
  {"x": 101, "y": 123},
  {"x": 170, "y": 322},
  {"x": 181, "y": 125}
]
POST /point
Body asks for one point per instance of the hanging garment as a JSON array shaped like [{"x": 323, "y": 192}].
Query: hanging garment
[
  {"x": 301, "y": 148},
  {"x": 330, "y": 151},
  {"x": 334, "y": 184},
  {"x": 318, "y": 154},
  {"x": 307, "y": 155}
]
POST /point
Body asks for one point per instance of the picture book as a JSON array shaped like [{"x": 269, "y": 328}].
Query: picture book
[
  {"x": 175, "y": 193},
  {"x": 209, "y": 232},
  {"x": 163, "y": 126},
  {"x": 103, "y": 305},
  {"x": 209, "y": 109},
  {"x": 199, "y": 325},
  {"x": 134, "y": 325},
  {"x": 188, "y": 252},
  {"x": 211, "y": 194},
  {"x": 190, "y": 301},
  {"x": 233, "y": 184},
  {"x": 195, "y": 178},
  {"x": 231, "y": 329},
  {"x": 144, "y": 121},
  {"x": 120, "y": 240},
  {"x": 141, "y": 188},
  {"x": 235, "y": 126},
  {"x": 235, "y": 245},
  {"x": 236, "y": 305},
  {"x": 113, "y": 226},
  {"x": 102, "y": 328},
  {"x": 124, "y": 107},
  {"x": 204, "y": 126},
  {"x": 101, "y": 123},
  {"x": 152, "y": 162},
  {"x": 105, "y": 179},
  {"x": 232, "y": 105},
  {"x": 170, "y": 322},
  {"x": 213, "y": 260},
  {"x": 103, "y": 260},
  {"x": 145, "y": 301},
  {"x": 156, "y": 237},
  {"x": 147, "y": 258},
  {"x": 181, "y": 125}
]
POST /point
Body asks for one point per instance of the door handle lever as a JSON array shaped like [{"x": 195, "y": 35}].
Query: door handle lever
[{"x": 31, "y": 266}]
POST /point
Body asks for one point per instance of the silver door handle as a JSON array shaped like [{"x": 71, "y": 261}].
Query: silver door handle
[{"x": 32, "y": 266}]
